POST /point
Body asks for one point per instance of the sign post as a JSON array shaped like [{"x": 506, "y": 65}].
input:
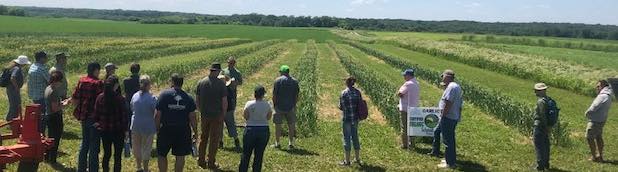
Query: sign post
[{"x": 422, "y": 121}]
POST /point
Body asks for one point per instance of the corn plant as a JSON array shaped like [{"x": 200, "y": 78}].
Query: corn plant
[{"x": 307, "y": 76}]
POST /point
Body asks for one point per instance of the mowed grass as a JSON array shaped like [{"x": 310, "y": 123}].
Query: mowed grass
[
  {"x": 23, "y": 26},
  {"x": 596, "y": 59},
  {"x": 572, "y": 105}
]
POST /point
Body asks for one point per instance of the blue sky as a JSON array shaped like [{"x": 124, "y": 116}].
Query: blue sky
[{"x": 572, "y": 11}]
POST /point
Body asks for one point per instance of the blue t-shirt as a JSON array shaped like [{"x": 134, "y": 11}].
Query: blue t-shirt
[
  {"x": 175, "y": 106},
  {"x": 143, "y": 107}
]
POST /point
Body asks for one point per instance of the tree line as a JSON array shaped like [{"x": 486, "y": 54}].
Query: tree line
[{"x": 569, "y": 30}]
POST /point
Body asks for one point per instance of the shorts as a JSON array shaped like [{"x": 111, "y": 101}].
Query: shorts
[
  {"x": 594, "y": 130},
  {"x": 178, "y": 140},
  {"x": 289, "y": 116}
]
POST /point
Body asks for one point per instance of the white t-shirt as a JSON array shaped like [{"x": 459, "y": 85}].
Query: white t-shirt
[
  {"x": 258, "y": 112},
  {"x": 452, "y": 93}
]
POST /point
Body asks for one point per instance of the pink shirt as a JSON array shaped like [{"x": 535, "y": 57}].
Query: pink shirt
[{"x": 410, "y": 98}]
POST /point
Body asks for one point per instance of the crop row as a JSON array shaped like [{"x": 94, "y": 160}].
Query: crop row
[
  {"x": 376, "y": 86},
  {"x": 512, "y": 112},
  {"x": 577, "y": 78},
  {"x": 307, "y": 77},
  {"x": 607, "y": 47}
]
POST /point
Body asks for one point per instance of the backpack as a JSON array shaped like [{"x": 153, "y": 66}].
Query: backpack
[
  {"x": 363, "y": 111},
  {"x": 553, "y": 112},
  {"x": 5, "y": 79}
]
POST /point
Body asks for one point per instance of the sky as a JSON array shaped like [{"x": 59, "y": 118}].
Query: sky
[{"x": 563, "y": 11}]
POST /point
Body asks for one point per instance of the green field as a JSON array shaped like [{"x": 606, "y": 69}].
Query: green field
[{"x": 489, "y": 137}]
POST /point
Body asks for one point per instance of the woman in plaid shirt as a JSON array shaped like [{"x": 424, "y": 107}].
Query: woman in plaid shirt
[
  {"x": 110, "y": 119},
  {"x": 348, "y": 104}
]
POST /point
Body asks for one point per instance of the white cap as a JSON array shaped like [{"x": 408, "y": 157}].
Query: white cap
[{"x": 22, "y": 60}]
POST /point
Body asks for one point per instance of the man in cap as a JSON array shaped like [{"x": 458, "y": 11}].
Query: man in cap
[
  {"x": 408, "y": 97},
  {"x": 234, "y": 79},
  {"x": 285, "y": 97},
  {"x": 597, "y": 116},
  {"x": 13, "y": 88},
  {"x": 38, "y": 80},
  {"x": 451, "y": 104},
  {"x": 212, "y": 103},
  {"x": 541, "y": 129},
  {"x": 110, "y": 69}
]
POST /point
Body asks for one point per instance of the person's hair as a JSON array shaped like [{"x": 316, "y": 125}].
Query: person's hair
[
  {"x": 231, "y": 58},
  {"x": 259, "y": 92},
  {"x": 144, "y": 81},
  {"x": 135, "y": 68},
  {"x": 603, "y": 83},
  {"x": 177, "y": 80},
  {"x": 109, "y": 93},
  {"x": 38, "y": 56},
  {"x": 11, "y": 64},
  {"x": 93, "y": 66},
  {"x": 55, "y": 76},
  {"x": 350, "y": 81}
]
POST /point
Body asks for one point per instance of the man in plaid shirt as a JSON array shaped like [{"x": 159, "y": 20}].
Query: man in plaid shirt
[
  {"x": 84, "y": 99},
  {"x": 38, "y": 79},
  {"x": 348, "y": 104}
]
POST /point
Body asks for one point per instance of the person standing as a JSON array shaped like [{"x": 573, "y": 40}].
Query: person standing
[
  {"x": 597, "y": 116},
  {"x": 131, "y": 85},
  {"x": 174, "y": 119},
  {"x": 234, "y": 80},
  {"x": 110, "y": 120},
  {"x": 255, "y": 138},
  {"x": 541, "y": 128},
  {"x": 143, "y": 127},
  {"x": 84, "y": 97},
  {"x": 13, "y": 88},
  {"x": 348, "y": 103},
  {"x": 285, "y": 97},
  {"x": 55, "y": 102},
  {"x": 212, "y": 104},
  {"x": 408, "y": 97},
  {"x": 38, "y": 80},
  {"x": 451, "y": 104},
  {"x": 110, "y": 69},
  {"x": 61, "y": 62}
]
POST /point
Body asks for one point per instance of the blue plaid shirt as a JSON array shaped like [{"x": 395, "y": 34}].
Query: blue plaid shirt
[
  {"x": 348, "y": 103},
  {"x": 38, "y": 79}
]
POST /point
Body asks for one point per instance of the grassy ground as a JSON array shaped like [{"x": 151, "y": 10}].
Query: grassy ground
[
  {"x": 597, "y": 59},
  {"x": 18, "y": 26}
]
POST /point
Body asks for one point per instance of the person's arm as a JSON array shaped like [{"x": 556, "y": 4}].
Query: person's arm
[
  {"x": 239, "y": 78},
  {"x": 245, "y": 114},
  {"x": 269, "y": 115},
  {"x": 596, "y": 104},
  {"x": 197, "y": 96},
  {"x": 275, "y": 89},
  {"x": 193, "y": 122},
  {"x": 402, "y": 91},
  {"x": 447, "y": 108},
  {"x": 224, "y": 103},
  {"x": 14, "y": 79},
  {"x": 76, "y": 95},
  {"x": 157, "y": 120}
]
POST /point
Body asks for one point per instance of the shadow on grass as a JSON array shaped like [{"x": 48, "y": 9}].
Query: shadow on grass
[
  {"x": 369, "y": 167},
  {"x": 610, "y": 162},
  {"x": 422, "y": 151},
  {"x": 61, "y": 167},
  {"x": 70, "y": 136},
  {"x": 470, "y": 166},
  {"x": 301, "y": 152}
]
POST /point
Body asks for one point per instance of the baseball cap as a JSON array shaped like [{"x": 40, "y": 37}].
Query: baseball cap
[{"x": 284, "y": 69}]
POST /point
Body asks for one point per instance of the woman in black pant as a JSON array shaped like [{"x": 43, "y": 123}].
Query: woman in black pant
[
  {"x": 110, "y": 119},
  {"x": 257, "y": 113}
]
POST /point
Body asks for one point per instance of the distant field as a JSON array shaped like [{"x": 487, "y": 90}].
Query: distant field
[{"x": 23, "y": 26}]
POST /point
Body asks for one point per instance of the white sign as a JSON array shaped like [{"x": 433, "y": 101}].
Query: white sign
[{"x": 422, "y": 121}]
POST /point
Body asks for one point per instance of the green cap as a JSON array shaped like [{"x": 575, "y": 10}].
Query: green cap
[{"x": 284, "y": 69}]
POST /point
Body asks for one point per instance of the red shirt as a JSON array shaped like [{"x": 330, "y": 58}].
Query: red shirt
[
  {"x": 110, "y": 119},
  {"x": 86, "y": 93}
]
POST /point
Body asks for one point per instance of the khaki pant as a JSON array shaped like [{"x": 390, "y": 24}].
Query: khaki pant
[
  {"x": 211, "y": 129},
  {"x": 403, "y": 124},
  {"x": 594, "y": 130}
]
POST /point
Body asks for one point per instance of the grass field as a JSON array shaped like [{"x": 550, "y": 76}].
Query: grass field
[{"x": 318, "y": 57}]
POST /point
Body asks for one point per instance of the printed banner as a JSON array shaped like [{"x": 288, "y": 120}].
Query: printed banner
[{"x": 422, "y": 121}]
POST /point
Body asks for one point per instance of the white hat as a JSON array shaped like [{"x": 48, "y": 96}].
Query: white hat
[
  {"x": 540, "y": 86},
  {"x": 22, "y": 60}
]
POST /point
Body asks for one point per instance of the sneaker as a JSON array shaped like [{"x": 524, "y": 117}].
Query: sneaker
[
  {"x": 444, "y": 165},
  {"x": 344, "y": 163},
  {"x": 202, "y": 164},
  {"x": 358, "y": 161},
  {"x": 276, "y": 146}
]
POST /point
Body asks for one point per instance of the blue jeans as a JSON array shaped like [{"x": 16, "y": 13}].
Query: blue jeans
[
  {"x": 447, "y": 126},
  {"x": 437, "y": 133},
  {"x": 350, "y": 134},
  {"x": 254, "y": 141},
  {"x": 541, "y": 145},
  {"x": 89, "y": 148},
  {"x": 43, "y": 117}
]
